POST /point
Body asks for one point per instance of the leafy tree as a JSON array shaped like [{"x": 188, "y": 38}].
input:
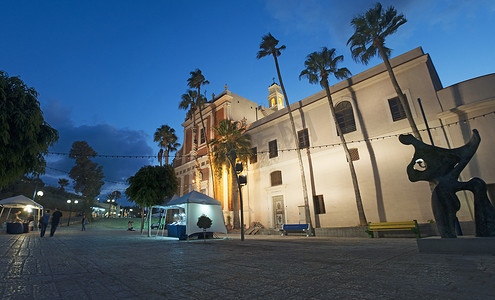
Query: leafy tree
[
  {"x": 86, "y": 174},
  {"x": 204, "y": 223},
  {"x": 230, "y": 136},
  {"x": 24, "y": 135},
  {"x": 166, "y": 138},
  {"x": 319, "y": 65},
  {"x": 63, "y": 183},
  {"x": 116, "y": 195},
  {"x": 368, "y": 40},
  {"x": 268, "y": 46},
  {"x": 150, "y": 186}
]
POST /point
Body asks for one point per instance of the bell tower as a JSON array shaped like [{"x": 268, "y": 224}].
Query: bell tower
[{"x": 275, "y": 97}]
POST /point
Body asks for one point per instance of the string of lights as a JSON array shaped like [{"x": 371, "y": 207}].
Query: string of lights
[
  {"x": 464, "y": 121},
  {"x": 106, "y": 180}
]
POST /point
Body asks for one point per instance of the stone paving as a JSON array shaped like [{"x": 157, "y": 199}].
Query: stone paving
[{"x": 117, "y": 264}]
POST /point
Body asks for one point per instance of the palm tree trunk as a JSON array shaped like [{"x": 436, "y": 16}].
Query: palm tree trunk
[
  {"x": 357, "y": 193},
  {"x": 401, "y": 96},
  {"x": 208, "y": 151},
  {"x": 197, "y": 168},
  {"x": 296, "y": 144},
  {"x": 235, "y": 198}
]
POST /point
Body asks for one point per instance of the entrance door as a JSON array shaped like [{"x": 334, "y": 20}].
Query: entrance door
[{"x": 278, "y": 211}]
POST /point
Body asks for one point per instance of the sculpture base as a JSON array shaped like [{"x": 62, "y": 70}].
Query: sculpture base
[{"x": 459, "y": 245}]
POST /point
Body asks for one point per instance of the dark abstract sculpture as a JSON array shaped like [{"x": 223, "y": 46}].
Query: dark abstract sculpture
[{"x": 442, "y": 168}]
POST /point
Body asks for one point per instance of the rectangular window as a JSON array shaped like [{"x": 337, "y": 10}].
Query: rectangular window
[
  {"x": 203, "y": 136},
  {"x": 254, "y": 155},
  {"x": 396, "y": 109},
  {"x": 354, "y": 154},
  {"x": 272, "y": 148},
  {"x": 319, "y": 204},
  {"x": 303, "y": 137}
]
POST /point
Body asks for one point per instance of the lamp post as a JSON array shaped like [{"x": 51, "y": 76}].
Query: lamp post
[
  {"x": 232, "y": 158},
  {"x": 71, "y": 203}
]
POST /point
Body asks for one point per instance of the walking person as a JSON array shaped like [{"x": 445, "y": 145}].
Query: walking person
[
  {"x": 56, "y": 216},
  {"x": 44, "y": 222},
  {"x": 84, "y": 221}
]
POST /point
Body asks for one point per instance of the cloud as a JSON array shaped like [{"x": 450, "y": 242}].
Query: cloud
[{"x": 105, "y": 139}]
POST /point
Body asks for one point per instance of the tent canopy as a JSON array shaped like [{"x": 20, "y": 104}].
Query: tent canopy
[
  {"x": 194, "y": 197},
  {"x": 19, "y": 202},
  {"x": 196, "y": 204},
  {"x": 164, "y": 204}
]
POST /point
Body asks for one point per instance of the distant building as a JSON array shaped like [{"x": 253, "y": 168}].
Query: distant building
[
  {"x": 371, "y": 118},
  {"x": 106, "y": 210}
]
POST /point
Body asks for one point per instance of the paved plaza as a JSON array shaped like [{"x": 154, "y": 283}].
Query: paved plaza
[{"x": 117, "y": 264}]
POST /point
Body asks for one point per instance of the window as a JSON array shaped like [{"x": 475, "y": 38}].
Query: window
[
  {"x": 276, "y": 178},
  {"x": 396, "y": 109},
  {"x": 319, "y": 204},
  {"x": 345, "y": 117},
  {"x": 272, "y": 148},
  {"x": 354, "y": 154},
  {"x": 254, "y": 155},
  {"x": 303, "y": 137},
  {"x": 203, "y": 136}
]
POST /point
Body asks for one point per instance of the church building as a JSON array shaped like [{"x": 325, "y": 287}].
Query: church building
[{"x": 371, "y": 119}]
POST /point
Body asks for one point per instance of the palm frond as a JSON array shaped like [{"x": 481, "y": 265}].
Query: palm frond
[{"x": 370, "y": 31}]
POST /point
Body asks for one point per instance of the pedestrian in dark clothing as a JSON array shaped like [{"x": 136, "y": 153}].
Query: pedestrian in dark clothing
[
  {"x": 44, "y": 222},
  {"x": 56, "y": 216},
  {"x": 84, "y": 221}
]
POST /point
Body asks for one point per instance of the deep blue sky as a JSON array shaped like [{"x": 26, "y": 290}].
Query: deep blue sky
[{"x": 111, "y": 72}]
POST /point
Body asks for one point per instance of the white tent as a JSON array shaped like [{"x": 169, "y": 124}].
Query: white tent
[
  {"x": 20, "y": 202},
  {"x": 195, "y": 205}
]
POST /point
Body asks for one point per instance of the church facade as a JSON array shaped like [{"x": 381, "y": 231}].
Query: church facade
[{"x": 371, "y": 118}]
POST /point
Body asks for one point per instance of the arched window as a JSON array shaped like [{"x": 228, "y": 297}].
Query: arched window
[
  {"x": 276, "y": 178},
  {"x": 345, "y": 117}
]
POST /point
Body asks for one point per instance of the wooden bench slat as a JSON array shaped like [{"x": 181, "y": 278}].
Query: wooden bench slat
[{"x": 386, "y": 226}]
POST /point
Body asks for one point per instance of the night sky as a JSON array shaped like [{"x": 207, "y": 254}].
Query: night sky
[{"x": 111, "y": 72}]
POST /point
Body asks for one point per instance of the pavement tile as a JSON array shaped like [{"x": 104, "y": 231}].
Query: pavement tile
[{"x": 115, "y": 264}]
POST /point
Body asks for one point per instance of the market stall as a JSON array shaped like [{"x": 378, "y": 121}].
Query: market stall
[
  {"x": 192, "y": 206},
  {"x": 24, "y": 203}
]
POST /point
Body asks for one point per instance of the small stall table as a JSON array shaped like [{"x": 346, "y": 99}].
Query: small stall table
[
  {"x": 175, "y": 230},
  {"x": 15, "y": 228}
]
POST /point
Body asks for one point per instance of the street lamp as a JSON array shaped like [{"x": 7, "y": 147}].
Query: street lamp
[
  {"x": 71, "y": 203},
  {"x": 232, "y": 158}
]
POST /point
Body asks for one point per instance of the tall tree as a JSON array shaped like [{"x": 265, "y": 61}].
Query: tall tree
[
  {"x": 86, "y": 174},
  {"x": 189, "y": 103},
  {"x": 167, "y": 140},
  {"x": 230, "y": 136},
  {"x": 63, "y": 183},
  {"x": 116, "y": 195},
  {"x": 368, "y": 40},
  {"x": 150, "y": 186},
  {"x": 268, "y": 46},
  {"x": 24, "y": 135},
  {"x": 196, "y": 81},
  {"x": 319, "y": 65}
]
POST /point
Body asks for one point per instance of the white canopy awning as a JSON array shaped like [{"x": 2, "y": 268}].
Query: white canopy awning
[{"x": 19, "y": 202}]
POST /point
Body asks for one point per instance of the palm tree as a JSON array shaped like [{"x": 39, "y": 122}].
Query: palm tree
[
  {"x": 230, "y": 136},
  {"x": 197, "y": 80},
  {"x": 167, "y": 140},
  {"x": 63, "y": 183},
  {"x": 319, "y": 65},
  {"x": 368, "y": 40},
  {"x": 268, "y": 46},
  {"x": 189, "y": 102}
]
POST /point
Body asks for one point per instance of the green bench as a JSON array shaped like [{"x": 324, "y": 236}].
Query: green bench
[{"x": 388, "y": 226}]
